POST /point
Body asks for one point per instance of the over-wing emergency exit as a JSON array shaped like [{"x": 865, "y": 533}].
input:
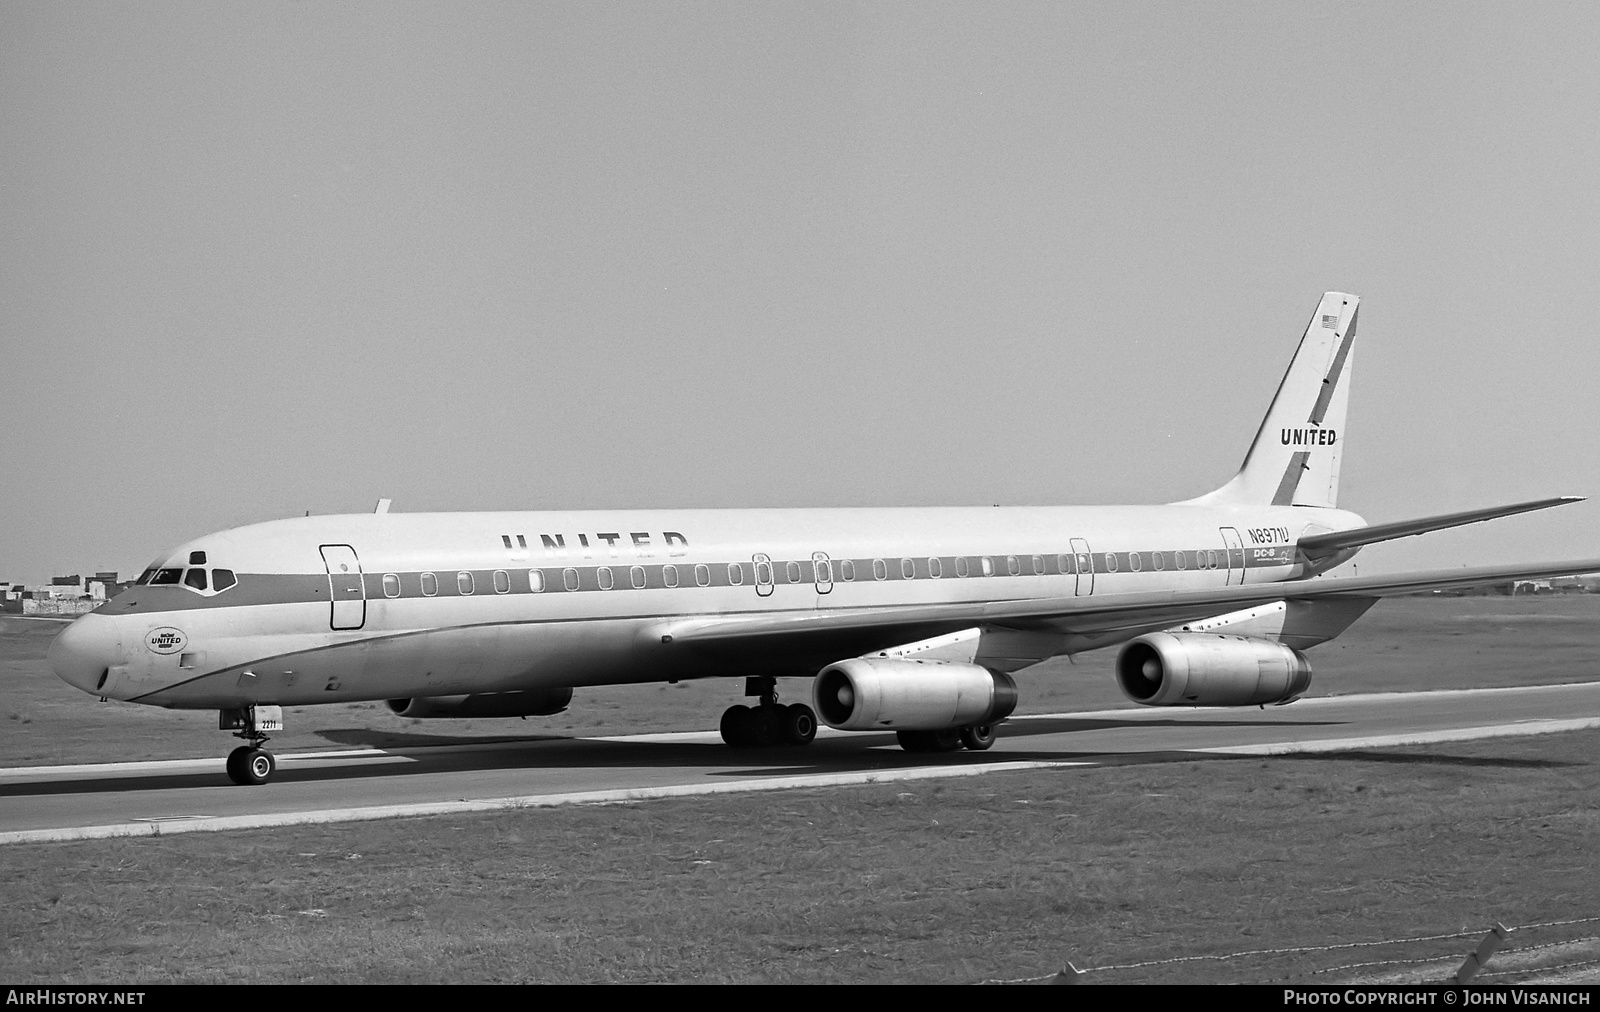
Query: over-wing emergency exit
[{"x": 907, "y": 620}]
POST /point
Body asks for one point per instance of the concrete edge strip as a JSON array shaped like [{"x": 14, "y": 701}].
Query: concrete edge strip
[
  {"x": 151, "y": 767},
  {"x": 1418, "y": 695},
  {"x": 1529, "y": 727},
  {"x": 611, "y": 797},
  {"x": 157, "y": 767}
]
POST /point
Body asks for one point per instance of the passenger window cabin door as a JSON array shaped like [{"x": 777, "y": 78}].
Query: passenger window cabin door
[
  {"x": 763, "y": 567},
  {"x": 1235, "y": 552},
  {"x": 347, "y": 590},
  {"x": 824, "y": 571},
  {"x": 1083, "y": 565}
]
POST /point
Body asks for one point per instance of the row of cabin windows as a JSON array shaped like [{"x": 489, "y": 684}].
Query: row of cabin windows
[
  {"x": 605, "y": 578},
  {"x": 466, "y": 583}
]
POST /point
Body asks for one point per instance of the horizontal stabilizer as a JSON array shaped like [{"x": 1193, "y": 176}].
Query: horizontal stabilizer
[{"x": 1320, "y": 546}]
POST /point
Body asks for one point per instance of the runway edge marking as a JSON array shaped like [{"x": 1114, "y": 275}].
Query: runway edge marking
[
  {"x": 1519, "y": 729},
  {"x": 610, "y": 797}
]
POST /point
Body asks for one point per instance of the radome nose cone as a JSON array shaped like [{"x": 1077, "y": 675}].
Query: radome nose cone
[{"x": 84, "y": 651}]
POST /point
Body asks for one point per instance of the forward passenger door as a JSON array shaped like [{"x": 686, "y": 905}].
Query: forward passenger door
[{"x": 346, "y": 589}]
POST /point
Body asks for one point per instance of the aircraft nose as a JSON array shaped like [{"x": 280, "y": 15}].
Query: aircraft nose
[{"x": 82, "y": 655}]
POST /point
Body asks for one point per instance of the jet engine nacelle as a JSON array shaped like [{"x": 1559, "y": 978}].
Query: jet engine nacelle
[
  {"x": 886, "y": 693},
  {"x": 522, "y": 703},
  {"x": 1200, "y": 669}
]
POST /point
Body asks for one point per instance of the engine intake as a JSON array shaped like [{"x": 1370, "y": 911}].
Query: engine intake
[
  {"x": 875, "y": 693},
  {"x": 521, "y": 703},
  {"x": 1200, "y": 669}
]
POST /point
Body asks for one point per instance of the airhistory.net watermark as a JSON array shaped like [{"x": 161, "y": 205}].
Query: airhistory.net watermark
[{"x": 55, "y": 996}]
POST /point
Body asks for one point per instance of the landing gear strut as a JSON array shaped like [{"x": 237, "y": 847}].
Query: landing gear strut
[
  {"x": 251, "y": 764},
  {"x": 767, "y": 723}
]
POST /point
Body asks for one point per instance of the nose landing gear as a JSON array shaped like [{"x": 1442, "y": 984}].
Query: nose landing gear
[
  {"x": 248, "y": 764},
  {"x": 251, "y": 764}
]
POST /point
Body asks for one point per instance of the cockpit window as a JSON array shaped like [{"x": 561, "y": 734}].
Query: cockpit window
[
  {"x": 222, "y": 579},
  {"x": 195, "y": 578},
  {"x": 166, "y": 578},
  {"x": 197, "y": 558},
  {"x": 145, "y": 576}
]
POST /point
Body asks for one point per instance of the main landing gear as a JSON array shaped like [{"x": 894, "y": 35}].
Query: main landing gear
[
  {"x": 976, "y": 737},
  {"x": 767, "y": 723},
  {"x": 251, "y": 764}
]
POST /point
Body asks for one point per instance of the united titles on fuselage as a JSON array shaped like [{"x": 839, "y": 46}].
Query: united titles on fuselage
[{"x": 638, "y": 543}]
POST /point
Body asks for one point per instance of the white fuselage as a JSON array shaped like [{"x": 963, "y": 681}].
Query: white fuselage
[{"x": 382, "y": 606}]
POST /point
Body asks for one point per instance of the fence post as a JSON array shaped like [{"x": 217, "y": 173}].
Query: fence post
[
  {"x": 1476, "y": 961},
  {"x": 1069, "y": 975}
]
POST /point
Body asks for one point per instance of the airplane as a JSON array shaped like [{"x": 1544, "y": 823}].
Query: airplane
[{"x": 909, "y": 620}]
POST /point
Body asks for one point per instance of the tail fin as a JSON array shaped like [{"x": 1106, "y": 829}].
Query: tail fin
[{"x": 1294, "y": 460}]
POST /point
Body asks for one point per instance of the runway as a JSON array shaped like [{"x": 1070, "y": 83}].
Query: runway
[{"x": 185, "y": 795}]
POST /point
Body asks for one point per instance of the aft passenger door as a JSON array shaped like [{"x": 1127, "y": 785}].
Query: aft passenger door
[
  {"x": 1235, "y": 552},
  {"x": 1083, "y": 565},
  {"x": 346, "y": 589}
]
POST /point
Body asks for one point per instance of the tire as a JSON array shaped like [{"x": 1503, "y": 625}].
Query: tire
[
  {"x": 799, "y": 724},
  {"x": 946, "y": 740},
  {"x": 766, "y": 725},
  {"x": 915, "y": 741},
  {"x": 735, "y": 726},
  {"x": 978, "y": 737},
  {"x": 236, "y": 760},
  {"x": 258, "y": 766}
]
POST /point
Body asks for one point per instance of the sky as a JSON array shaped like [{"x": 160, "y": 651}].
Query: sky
[{"x": 269, "y": 258}]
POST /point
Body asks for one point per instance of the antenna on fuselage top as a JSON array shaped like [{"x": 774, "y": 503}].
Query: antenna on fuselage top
[{"x": 383, "y": 506}]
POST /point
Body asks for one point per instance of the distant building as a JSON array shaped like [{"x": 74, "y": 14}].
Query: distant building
[
  {"x": 102, "y": 586},
  {"x": 109, "y": 585}
]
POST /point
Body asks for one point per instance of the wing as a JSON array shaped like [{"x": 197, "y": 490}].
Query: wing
[{"x": 799, "y": 638}]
